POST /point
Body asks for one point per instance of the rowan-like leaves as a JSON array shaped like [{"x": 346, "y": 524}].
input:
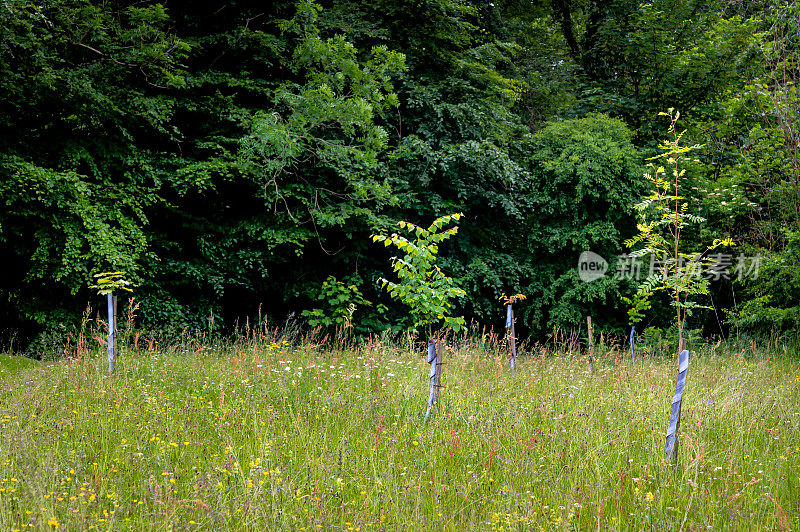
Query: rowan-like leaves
[{"x": 664, "y": 216}]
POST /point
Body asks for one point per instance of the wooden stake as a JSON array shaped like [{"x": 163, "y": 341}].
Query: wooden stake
[
  {"x": 591, "y": 343},
  {"x": 571, "y": 341}
]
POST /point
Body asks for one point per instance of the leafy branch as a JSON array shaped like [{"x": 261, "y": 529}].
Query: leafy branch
[
  {"x": 510, "y": 300},
  {"x": 664, "y": 217},
  {"x": 422, "y": 285},
  {"x": 108, "y": 282}
]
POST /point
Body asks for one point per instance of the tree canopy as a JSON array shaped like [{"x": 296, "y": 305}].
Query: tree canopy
[{"x": 232, "y": 156}]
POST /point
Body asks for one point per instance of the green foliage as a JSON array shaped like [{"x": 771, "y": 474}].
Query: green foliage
[
  {"x": 220, "y": 157},
  {"x": 339, "y": 302},
  {"x": 108, "y": 282},
  {"x": 125, "y": 144},
  {"x": 325, "y": 126},
  {"x": 637, "y": 58},
  {"x": 665, "y": 217},
  {"x": 423, "y": 286},
  {"x": 83, "y": 93},
  {"x": 773, "y": 297},
  {"x": 583, "y": 175}
]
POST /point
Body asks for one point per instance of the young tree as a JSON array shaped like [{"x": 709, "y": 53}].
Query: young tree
[
  {"x": 664, "y": 218},
  {"x": 422, "y": 285}
]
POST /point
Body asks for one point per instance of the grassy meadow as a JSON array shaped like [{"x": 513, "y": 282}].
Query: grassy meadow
[{"x": 273, "y": 434}]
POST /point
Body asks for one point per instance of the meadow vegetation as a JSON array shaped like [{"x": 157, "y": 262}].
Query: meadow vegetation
[{"x": 277, "y": 432}]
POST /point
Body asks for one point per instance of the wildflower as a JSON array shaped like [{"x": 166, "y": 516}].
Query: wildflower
[
  {"x": 649, "y": 496},
  {"x": 53, "y": 522}
]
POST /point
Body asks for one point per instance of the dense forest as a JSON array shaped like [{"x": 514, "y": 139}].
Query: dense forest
[{"x": 233, "y": 158}]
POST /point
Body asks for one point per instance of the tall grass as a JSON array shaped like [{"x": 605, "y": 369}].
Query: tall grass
[{"x": 272, "y": 432}]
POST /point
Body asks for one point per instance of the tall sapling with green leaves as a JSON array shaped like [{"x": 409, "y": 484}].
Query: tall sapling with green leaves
[
  {"x": 664, "y": 218},
  {"x": 424, "y": 287}
]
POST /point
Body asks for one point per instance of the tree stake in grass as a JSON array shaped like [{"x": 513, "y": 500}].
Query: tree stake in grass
[
  {"x": 664, "y": 221},
  {"x": 435, "y": 352},
  {"x": 675, "y": 409},
  {"x": 512, "y": 337},
  {"x": 107, "y": 283},
  {"x": 111, "y": 330},
  {"x": 591, "y": 343},
  {"x": 510, "y": 329},
  {"x": 633, "y": 330}
]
